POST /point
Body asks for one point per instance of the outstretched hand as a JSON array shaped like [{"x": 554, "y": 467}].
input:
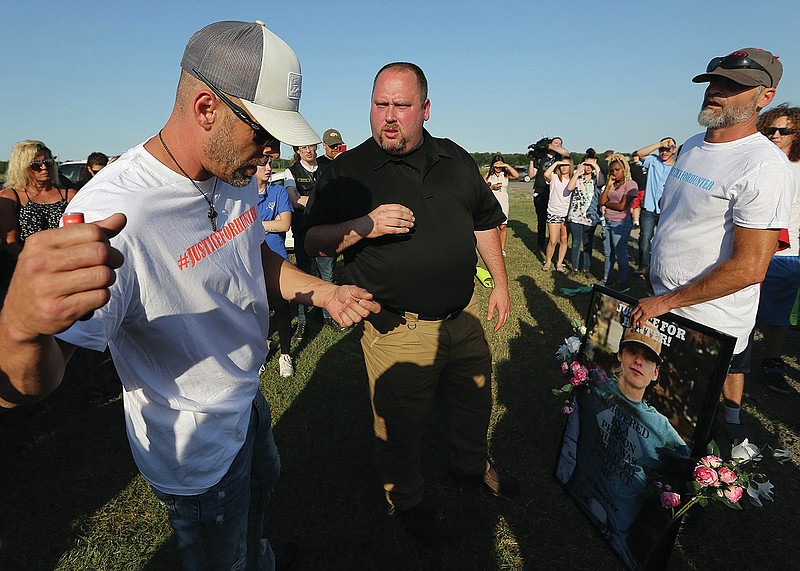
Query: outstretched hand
[
  {"x": 61, "y": 275},
  {"x": 350, "y": 304}
]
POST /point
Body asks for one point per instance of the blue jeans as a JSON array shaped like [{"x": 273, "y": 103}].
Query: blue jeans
[
  {"x": 306, "y": 263},
  {"x": 619, "y": 233},
  {"x": 581, "y": 236},
  {"x": 647, "y": 228},
  {"x": 222, "y": 527}
]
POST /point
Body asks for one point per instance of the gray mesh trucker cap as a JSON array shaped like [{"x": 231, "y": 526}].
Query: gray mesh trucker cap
[{"x": 246, "y": 60}]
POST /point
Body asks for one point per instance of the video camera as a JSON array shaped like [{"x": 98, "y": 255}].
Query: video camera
[{"x": 538, "y": 150}]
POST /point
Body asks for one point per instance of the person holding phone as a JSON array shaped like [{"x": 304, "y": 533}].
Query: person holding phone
[{"x": 497, "y": 178}]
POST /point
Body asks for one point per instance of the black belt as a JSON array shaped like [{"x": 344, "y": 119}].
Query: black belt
[{"x": 423, "y": 316}]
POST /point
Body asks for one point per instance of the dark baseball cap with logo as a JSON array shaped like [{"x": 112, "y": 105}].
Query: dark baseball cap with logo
[
  {"x": 332, "y": 137},
  {"x": 747, "y": 66},
  {"x": 248, "y": 61}
]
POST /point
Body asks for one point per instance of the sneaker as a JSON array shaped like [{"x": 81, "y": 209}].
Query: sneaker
[
  {"x": 286, "y": 366},
  {"x": 262, "y": 369},
  {"x": 773, "y": 376},
  {"x": 493, "y": 482},
  {"x": 641, "y": 271},
  {"x": 300, "y": 332},
  {"x": 737, "y": 432}
]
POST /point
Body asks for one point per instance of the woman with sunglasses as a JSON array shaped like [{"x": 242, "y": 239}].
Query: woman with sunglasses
[
  {"x": 497, "y": 178},
  {"x": 33, "y": 200},
  {"x": 779, "y": 289}
]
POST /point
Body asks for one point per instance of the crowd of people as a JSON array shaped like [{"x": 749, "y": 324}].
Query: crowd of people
[{"x": 186, "y": 233}]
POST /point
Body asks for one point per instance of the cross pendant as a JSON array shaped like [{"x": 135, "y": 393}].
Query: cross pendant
[{"x": 212, "y": 215}]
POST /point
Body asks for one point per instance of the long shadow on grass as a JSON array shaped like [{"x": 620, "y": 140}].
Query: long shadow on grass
[
  {"x": 548, "y": 529},
  {"x": 62, "y": 460},
  {"x": 329, "y": 498}
]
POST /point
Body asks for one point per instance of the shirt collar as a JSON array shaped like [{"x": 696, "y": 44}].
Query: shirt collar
[{"x": 430, "y": 148}]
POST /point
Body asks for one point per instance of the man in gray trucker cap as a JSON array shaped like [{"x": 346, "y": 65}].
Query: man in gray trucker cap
[{"x": 186, "y": 315}]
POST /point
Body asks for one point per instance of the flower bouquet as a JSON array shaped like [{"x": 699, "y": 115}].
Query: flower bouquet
[
  {"x": 579, "y": 377},
  {"x": 715, "y": 480}
]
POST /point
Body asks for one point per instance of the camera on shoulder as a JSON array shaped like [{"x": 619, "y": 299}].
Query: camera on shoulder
[{"x": 538, "y": 150}]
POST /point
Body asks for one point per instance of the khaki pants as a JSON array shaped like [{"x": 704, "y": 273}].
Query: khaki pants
[{"x": 407, "y": 362}]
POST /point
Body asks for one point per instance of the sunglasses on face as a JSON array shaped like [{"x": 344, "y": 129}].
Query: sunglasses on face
[
  {"x": 769, "y": 131},
  {"x": 737, "y": 62},
  {"x": 261, "y": 136},
  {"x": 38, "y": 165}
]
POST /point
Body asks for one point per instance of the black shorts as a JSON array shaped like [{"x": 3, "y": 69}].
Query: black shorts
[{"x": 740, "y": 363}]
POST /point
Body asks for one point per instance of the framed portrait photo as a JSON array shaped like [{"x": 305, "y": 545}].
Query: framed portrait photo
[{"x": 649, "y": 410}]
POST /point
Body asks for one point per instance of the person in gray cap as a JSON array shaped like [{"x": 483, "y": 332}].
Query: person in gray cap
[
  {"x": 186, "y": 316},
  {"x": 724, "y": 203},
  {"x": 334, "y": 146}
]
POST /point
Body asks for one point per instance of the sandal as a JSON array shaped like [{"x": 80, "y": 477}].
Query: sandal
[
  {"x": 560, "y": 268},
  {"x": 547, "y": 266}
]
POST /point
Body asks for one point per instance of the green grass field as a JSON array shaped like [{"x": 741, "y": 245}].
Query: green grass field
[{"x": 73, "y": 499}]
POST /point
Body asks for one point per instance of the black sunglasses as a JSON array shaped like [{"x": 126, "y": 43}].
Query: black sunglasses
[
  {"x": 261, "y": 136},
  {"x": 769, "y": 131},
  {"x": 37, "y": 165},
  {"x": 733, "y": 61}
]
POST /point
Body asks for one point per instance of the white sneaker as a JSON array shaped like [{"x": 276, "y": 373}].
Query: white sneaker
[
  {"x": 262, "y": 369},
  {"x": 286, "y": 366}
]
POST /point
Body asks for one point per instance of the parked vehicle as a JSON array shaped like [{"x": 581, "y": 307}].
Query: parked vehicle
[
  {"x": 523, "y": 174},
  {"x": 70, "y": 172}
]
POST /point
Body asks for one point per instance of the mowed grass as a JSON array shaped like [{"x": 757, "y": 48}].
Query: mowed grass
[{"x": 74, "y": 500}]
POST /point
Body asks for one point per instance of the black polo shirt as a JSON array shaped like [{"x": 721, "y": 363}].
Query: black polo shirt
[{"x": 429, "y": 270}]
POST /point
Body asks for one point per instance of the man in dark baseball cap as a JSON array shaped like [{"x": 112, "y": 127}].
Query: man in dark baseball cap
[
  {"x": 333, "y": 144},
  {"x": 724, "y": 203}
]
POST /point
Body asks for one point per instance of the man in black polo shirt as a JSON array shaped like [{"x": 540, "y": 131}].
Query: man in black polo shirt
[{"x": 407, "y": 211}]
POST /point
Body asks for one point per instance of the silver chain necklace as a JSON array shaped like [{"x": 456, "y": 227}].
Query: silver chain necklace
[{"x": 212, "y": 213}]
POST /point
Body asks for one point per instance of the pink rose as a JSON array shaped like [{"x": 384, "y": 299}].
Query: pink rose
[
  {"x": 567, "y": 409},
  {"x": 575, "y": 382},
  {"x": 581, "y": 374},
  {"x": 727, "y": 475},
  {"x": 670, "y": 500},
  {"x": 734, "y": 494},
  {"x": 706, "y": 476},
  {"x": 564, "y": 368},
  {"x": 711, "y": 461}
]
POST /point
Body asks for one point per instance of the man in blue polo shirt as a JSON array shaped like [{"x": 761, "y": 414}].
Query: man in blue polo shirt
[{"x": 658, "y": 167}]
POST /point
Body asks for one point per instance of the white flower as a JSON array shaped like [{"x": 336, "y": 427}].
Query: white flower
[
  {"x": 781, "y": 456},
  {"x": 582, "y": 330},
  {"x": 573, "y": 344},
  {"x": 759, "y": 490},
  {"x": 745, "y": 452},
  {"x": 570, "y": 348}
]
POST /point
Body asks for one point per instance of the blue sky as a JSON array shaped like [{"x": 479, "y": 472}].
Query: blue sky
[{"x": 85, "y": 76}]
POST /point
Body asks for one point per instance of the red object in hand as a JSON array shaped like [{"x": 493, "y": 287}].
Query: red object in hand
[{"x": 74, "y": 218}]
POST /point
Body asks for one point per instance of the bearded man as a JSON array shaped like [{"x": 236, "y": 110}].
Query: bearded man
[
  {"x": 186, "y": 315},
  {"x": 724, "y": 202}
]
